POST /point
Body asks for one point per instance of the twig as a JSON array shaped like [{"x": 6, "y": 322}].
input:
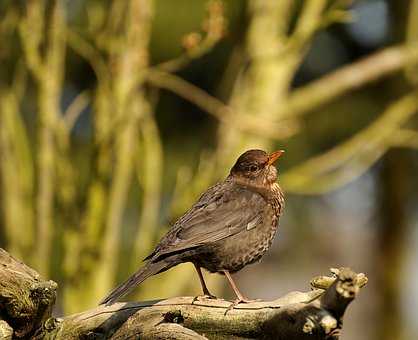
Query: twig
[
  {"x": 82, "y": 47},
  {"x": 74, "y": 110},
  {"x": 309, "y": 97},
  {"x": 405, "y": 138},
  {"x": 366, "y": 147},
  {"x": 214, "y": 26},
  {"x": 308, "y": 22},
  {"x": 219, "y": 110}
]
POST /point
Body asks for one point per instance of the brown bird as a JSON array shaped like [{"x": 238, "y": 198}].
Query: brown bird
[{"x": 231, "y": 225}]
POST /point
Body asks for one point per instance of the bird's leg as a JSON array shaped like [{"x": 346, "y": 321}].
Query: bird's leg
[
  {"x": 240, "y": 298},
  {"x": 205, "y": 289}
]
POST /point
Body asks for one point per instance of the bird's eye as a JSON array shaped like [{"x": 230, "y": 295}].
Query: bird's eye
[{"x": 253, "y": 168}]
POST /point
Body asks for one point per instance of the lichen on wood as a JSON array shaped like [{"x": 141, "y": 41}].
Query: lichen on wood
[
  {"x": 26, "y": 299},
  {"x": 26, "y": 302}
]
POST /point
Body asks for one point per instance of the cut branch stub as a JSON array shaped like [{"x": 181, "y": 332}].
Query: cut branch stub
[
  {"x": 341, "y": 292},
  {"x": 324, "y": 282}
]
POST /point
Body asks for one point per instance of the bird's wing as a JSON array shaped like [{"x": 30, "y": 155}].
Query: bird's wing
[{"x": 217, "y": 214}]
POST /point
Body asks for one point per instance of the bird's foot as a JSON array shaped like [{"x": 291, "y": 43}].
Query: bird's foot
[
  {"x": 204, "y": 296},
  {"x": 240, "y": 300}
]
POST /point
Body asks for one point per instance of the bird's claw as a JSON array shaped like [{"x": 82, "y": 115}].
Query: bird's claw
[
  {"x": 204, "y": 296},
  {"x": 238, "y": 301}
]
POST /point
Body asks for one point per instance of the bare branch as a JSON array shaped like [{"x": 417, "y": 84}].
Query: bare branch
[
  {"x": 27, "y": 303},
  {"x": 325, "y": 172},
  {"x": 214, "y": 26},
  {"x": 345, "y": 79},
  {"x": 405, "y": 138},
  {"x": 224, "y": 113},
  {"x": 411, "y": 39},
  {"x": 308, "y": 22},
  {"x": 89, "y": 53},
  {"x": 76, "y": 107},
  {"x": 294, "y": 316}
]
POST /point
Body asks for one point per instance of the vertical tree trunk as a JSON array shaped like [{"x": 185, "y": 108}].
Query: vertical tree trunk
[
  {"x": 393, "y": 184},
  {"x": 391, "y": 242}
]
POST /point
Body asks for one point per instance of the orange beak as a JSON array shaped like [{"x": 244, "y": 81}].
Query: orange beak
[{"x": 275, "y": 156}]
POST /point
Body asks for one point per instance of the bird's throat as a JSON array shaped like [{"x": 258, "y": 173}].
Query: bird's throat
[{"x": 269, "y": 191}]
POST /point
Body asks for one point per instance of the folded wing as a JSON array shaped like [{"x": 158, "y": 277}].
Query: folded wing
[{"x": 218, "y": 214}]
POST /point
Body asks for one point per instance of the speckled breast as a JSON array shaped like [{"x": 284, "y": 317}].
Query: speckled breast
[{"x": 246, "y": 247}]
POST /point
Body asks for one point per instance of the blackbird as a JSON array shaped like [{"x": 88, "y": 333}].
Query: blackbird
[{"x": 231, "y": 225}]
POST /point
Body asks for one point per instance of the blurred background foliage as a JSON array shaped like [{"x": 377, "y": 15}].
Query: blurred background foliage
[{"x": 116, "y": 115}]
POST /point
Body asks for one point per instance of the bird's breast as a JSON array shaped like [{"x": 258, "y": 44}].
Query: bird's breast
[
  {"x": 246, "y": 247},
  {"x": 276, "y": 198}
]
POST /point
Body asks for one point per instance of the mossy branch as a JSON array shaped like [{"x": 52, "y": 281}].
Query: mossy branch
[{"x": 26, "y": 302}]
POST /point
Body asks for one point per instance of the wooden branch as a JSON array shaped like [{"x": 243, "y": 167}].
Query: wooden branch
[
  {"x": 195, "y": 46},
  {"x": 26, "y": 303},
  {"x": 26, "y": 299},
  {"x": 330, "y": 169},
  {"x": 348, "y": 78},
  {"x": 223, "y": 112}
]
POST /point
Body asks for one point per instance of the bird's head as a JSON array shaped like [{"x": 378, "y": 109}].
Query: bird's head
[{"x": 256, "y": 167}]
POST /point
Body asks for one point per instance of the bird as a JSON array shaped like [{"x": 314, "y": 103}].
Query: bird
[{"x": 230, "y": 226}]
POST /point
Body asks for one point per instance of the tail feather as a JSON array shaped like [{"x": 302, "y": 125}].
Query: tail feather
[{"x": 151, "y": 268}]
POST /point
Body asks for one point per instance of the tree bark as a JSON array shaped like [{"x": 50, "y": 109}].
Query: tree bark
[
  {"x": 26, "y": 299},
  {"x": 26, "y": 302}
]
